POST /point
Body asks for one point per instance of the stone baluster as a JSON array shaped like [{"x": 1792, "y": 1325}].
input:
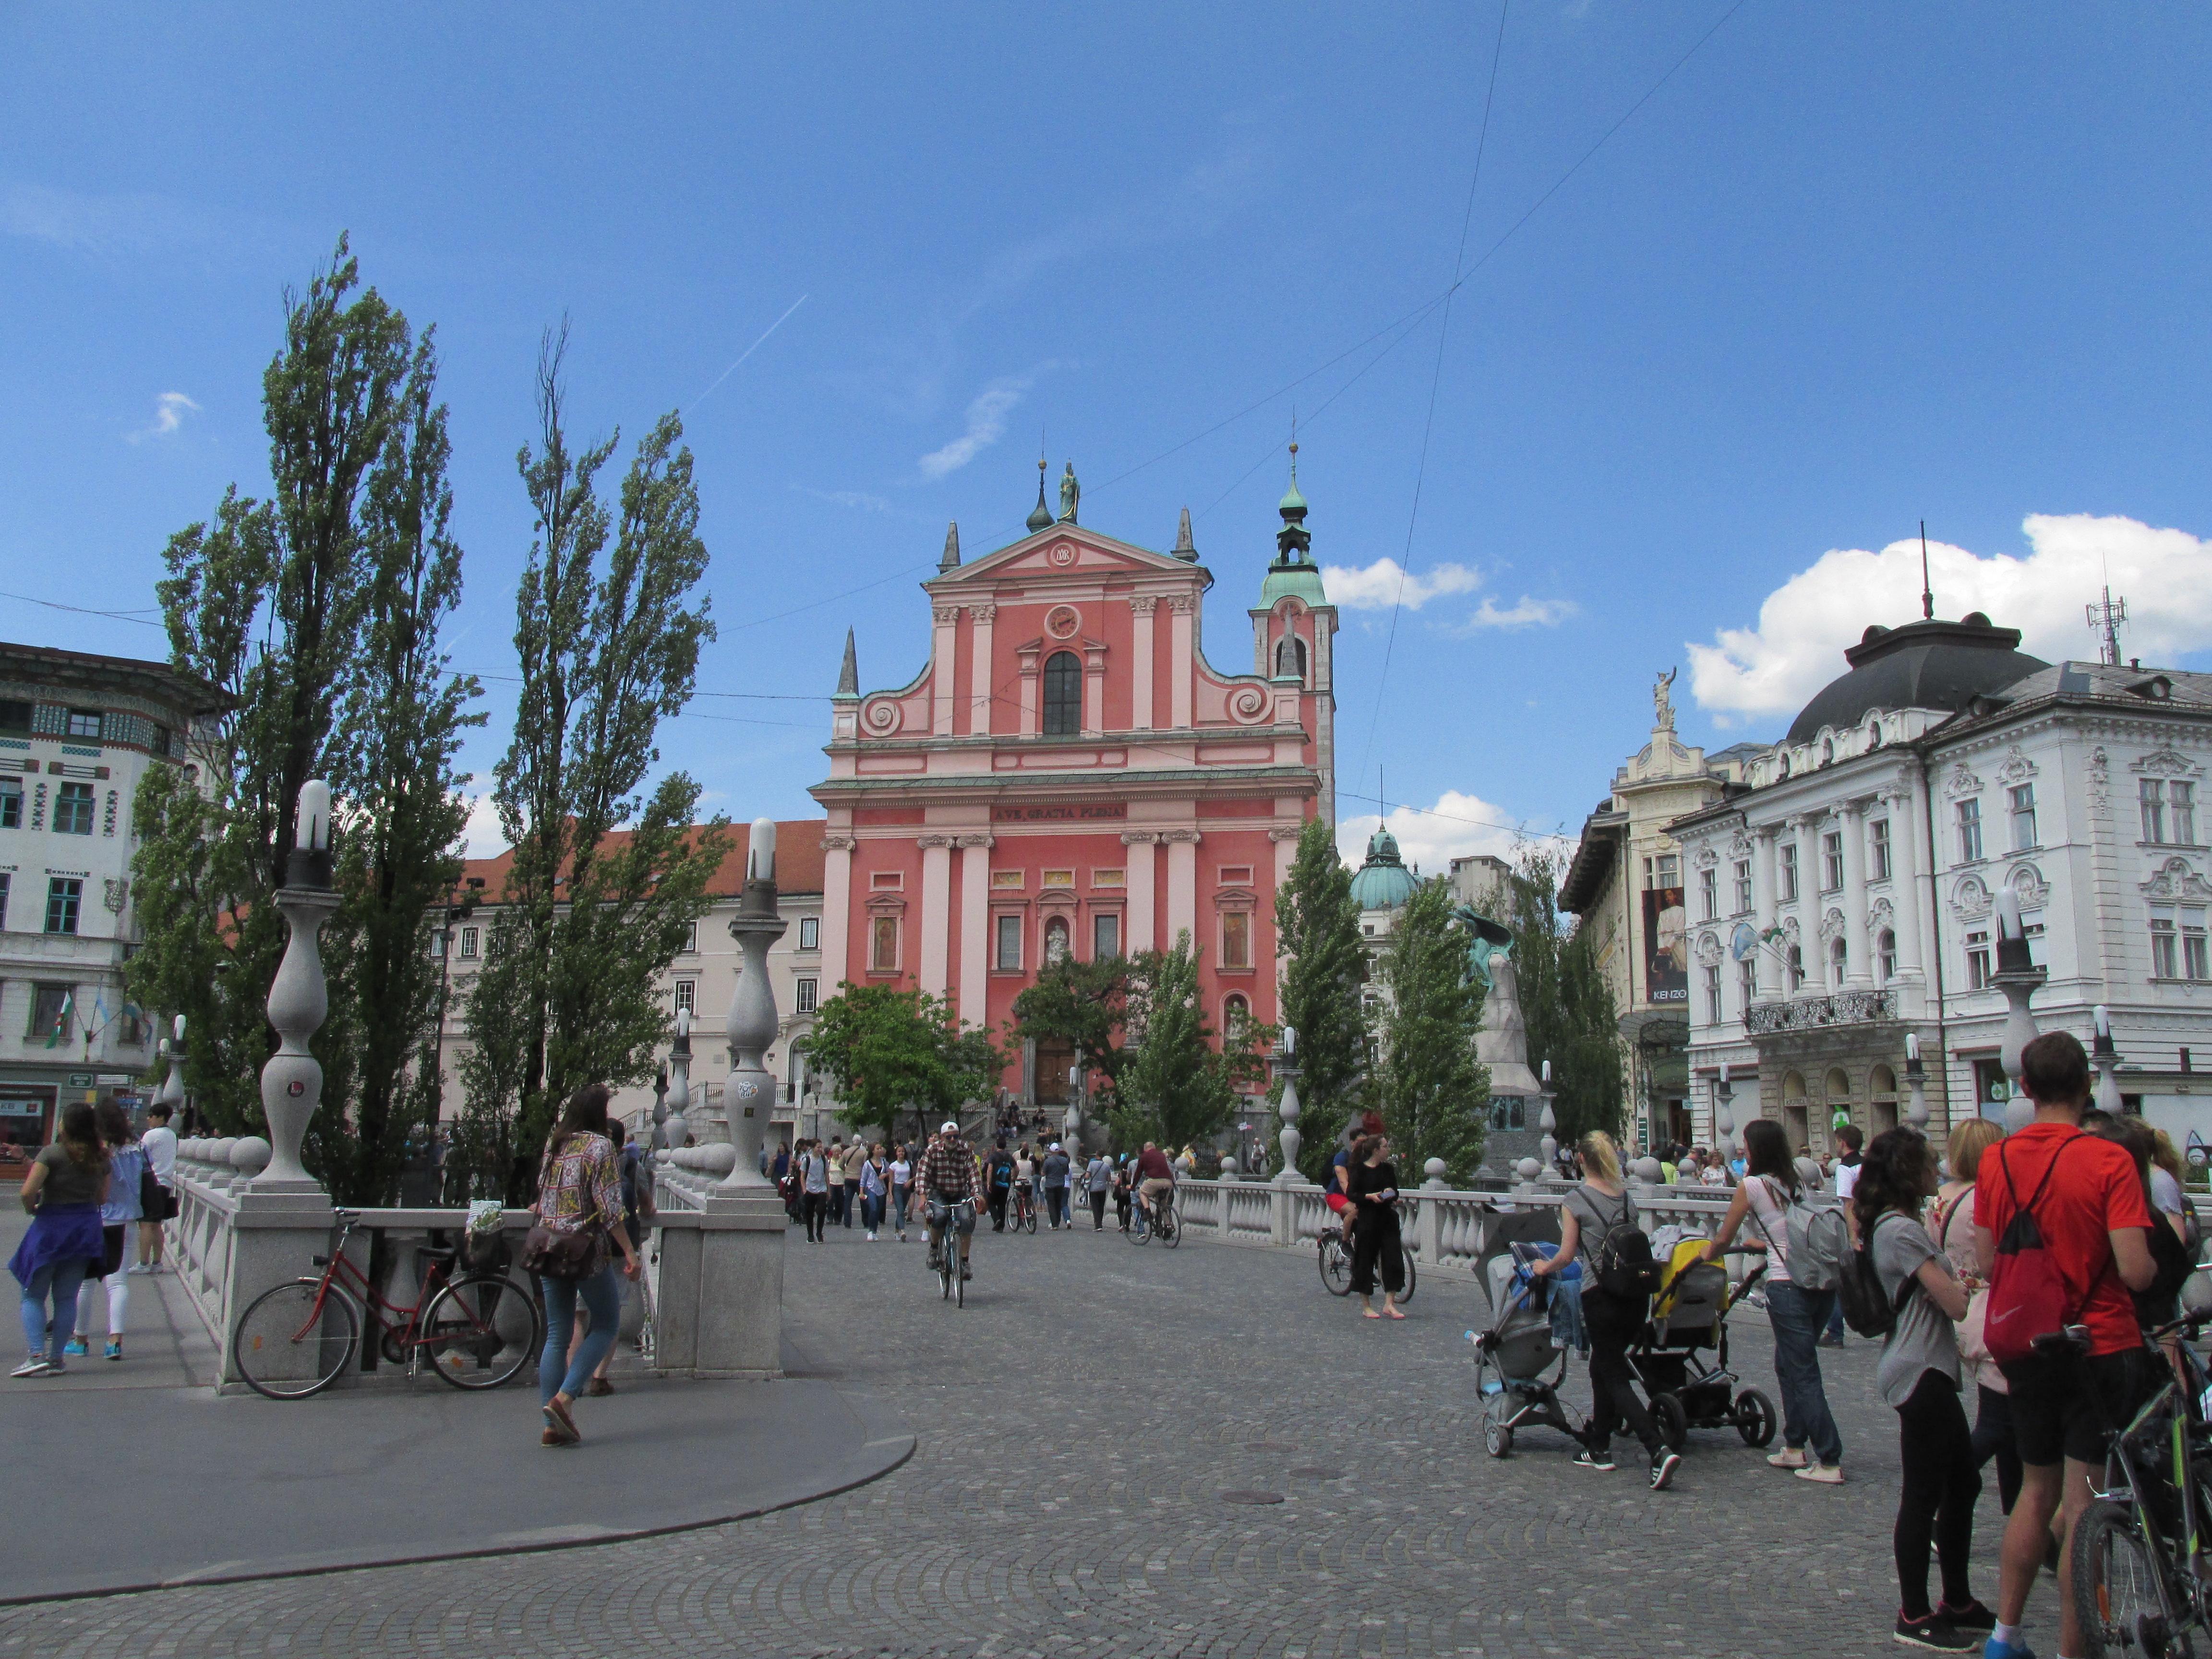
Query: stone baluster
[
  {"x": 2106, "y": 1059},
  {"x": 1725, "y": 1115},
  {"x": 677, "y": 1100},
  {"x": 2018, "y": 978},
  {"x": 1916, "y": 1082},
  {"x": 1549, "y": 1122},
  {"x": 750, "y": 1094},
  {"x": 299, "y": 1001}
]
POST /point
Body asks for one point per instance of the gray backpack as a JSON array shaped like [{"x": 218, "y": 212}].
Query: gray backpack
[{"x": 1818, "y": 1242}]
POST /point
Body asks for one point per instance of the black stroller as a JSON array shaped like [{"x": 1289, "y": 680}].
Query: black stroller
[{"x": 1690, "y": 1315}]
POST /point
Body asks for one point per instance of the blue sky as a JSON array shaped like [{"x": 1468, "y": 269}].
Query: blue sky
[{"x": 1847, "y": 269}]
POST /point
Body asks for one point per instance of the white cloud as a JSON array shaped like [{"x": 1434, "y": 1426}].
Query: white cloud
[
  {"x": 858, "y": 499},
  {"x": 1523, "y": 613},
  {"x": 987, "y": 423},
  {"x": 1457, "y": 826},
  {"x": 1385, "y": 583},
  {"x": 2165, "y": 576},
  {"x": 169, "y": 411},
  {"x": 482, "y": 837}
]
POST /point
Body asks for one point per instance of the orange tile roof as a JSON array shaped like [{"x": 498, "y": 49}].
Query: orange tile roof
[{"x": 797, "y": 860}]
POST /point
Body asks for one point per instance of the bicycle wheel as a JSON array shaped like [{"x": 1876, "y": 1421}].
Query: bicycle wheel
[
  {"x": 1170, "y": 1230},
  {"x": 960, "y": 1286},
  {"x": 286, "y": 1349},
  {"x": 1029, "y": 1216},
  {"x": 481, "y": 1332},
  {"x": 1335, "y": 1267},
  {"x": 2116, "y": 1583},
  {"x": 1407, "y": 1295}
]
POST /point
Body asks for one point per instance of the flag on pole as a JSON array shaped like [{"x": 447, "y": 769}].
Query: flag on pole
[{"x": 62, "y": 1020}]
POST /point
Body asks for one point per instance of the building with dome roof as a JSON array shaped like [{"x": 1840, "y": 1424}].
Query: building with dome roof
[
  {"x": 1841, "y": 897},
  {"x": 1384, "y": 882},
  {"x": 1068, "y": 774}
]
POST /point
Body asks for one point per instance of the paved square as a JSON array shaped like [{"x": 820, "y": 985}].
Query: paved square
[{"x": 1079, "y": 1421}]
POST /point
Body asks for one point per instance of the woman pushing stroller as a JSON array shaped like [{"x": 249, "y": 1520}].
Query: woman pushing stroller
[{"x": 1595, "y": 1213}]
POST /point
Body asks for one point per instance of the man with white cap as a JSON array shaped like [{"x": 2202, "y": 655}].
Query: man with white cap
[{"x": 951, "y": 1187}]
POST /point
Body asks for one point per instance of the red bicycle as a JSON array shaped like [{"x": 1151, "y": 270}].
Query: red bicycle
[{"x": 476, "y": 1329}]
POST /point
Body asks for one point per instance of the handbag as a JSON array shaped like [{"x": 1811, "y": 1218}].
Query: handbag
[
  {"x": 570, "y": 1256},
  {"x": 153, "y": 1196}
]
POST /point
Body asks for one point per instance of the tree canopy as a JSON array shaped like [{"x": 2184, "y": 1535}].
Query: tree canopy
[
  {"x": 890, "y": 1051},
  {"x": 1435, "y": 1094},
  {"x": 1317, "y": 932},
  {"x": 1565, "y": 1003}
]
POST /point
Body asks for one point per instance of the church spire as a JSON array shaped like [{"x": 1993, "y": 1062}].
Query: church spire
[
  {"x": 1293, "y": 537},
  {"x": 1185, "y": 548},
  {"x": 848, "y": 677},
  {"x": 1040, "y": 515},
  {"x": 951, "y": 562}
]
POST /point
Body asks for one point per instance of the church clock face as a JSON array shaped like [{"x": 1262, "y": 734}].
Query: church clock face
[{"x": 1061, "y": 622}]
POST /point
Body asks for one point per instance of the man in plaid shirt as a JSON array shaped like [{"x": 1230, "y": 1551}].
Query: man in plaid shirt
[{"x": 946, "y": 1175}]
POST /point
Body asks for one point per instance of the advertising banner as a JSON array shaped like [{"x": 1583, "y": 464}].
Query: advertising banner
[{"x": 1665, "y": 946}]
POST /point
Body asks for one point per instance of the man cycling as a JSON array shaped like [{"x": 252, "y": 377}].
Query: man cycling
[
  {"x": 1155, "y": 1180},
  {"x": 953, "y": 1188}
]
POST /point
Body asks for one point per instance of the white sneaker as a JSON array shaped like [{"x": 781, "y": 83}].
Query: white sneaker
[
  {"x": 1828, "y": 1474},
  {"x": 36, "y": 1365},
  {"x": 871, "y": 1238},
  {"x": 1787, "y": 1458}
]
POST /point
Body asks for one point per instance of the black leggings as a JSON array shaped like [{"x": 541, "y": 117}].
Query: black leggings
[
  {"x": 817, "y": 1207},
  {"x": 1993, "y": 1438},
  {"x": 1375, "y": 1238},
  {"x": 1937, "y": 1500},
  {"x": 1613, "y": 1399}
]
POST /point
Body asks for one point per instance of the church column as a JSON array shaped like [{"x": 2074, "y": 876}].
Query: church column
[
  {"x": 980, "y": 668},
  {"x": 1183, "y": 608},
  {"x": 1905, "y": 878},
  {"x": 1765, "y": 972},
  {"x": 836, "y": 909},
  {"x": 1858, "y": 965},
  {"x": 1182, "y": 887},
  {"x": 1807, "y": 826},
  {"x": 936, "y": 912},
  {"x": 975, "y": 928},
  {"x": 943, "y": 649},
  {"x": 1140, "y": 663},
  {"x": 1142, "y": 902}
]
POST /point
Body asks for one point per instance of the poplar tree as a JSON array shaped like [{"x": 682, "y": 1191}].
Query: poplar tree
[
  {"x": 1317, "y": 933},
  {"x": 313, "y": 615},
  {"x": 1564, "y": 1002},
  {"x": 1435, "y": 1094},
  {"x": 608, "y": 636},
  {"x": 1177, "y": 1088}
]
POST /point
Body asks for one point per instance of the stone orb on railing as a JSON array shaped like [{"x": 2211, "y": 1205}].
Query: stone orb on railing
[
  {"x": 1229, "y": 1168},
  {"x": 219, "y": 1150},
  {"x": 249, "y": 1156},
  {"x": 1647, "y": 1170},
  {"x": 719, "y": 1159},
  {"x": 1528, "y": 1169},
  {"x": 1434, "y": 1169}
]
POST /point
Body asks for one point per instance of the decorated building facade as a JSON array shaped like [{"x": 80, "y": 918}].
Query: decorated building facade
[{"x": 1068, "y": 775}]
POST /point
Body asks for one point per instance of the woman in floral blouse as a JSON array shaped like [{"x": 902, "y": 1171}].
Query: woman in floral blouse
[{"x": 579, "y": 1191}]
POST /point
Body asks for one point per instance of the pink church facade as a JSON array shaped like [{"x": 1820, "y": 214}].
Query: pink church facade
[{"x": 1068, "y": 774}]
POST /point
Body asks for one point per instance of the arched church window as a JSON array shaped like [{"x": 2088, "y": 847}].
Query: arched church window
[{"x": 1063, "y": 695}]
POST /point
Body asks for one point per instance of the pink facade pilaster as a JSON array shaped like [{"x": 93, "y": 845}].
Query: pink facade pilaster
[
  {"x": 945, "y": 638},
  {"x": 936, "y": 912},
  {"x": 836, "y": 909},
  {"x": 1143, "y": 865},
  {"x": 1182, "y": 887},
  {"x": 974, "y": 927},
  {"x": 979, "y": 667},
  {"x": 1184, "y": 609}
]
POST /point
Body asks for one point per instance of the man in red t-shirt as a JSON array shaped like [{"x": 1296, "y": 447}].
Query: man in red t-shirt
[{"x": 2093, "y": 1220}]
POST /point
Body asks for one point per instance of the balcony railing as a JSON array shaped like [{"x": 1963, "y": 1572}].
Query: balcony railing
[{"x": 1812, "y": 1013}]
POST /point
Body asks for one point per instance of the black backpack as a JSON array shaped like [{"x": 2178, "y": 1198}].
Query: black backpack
[
  {"x": 1858, "y": 1287},
  {"x": 1622, "y": 1258}
]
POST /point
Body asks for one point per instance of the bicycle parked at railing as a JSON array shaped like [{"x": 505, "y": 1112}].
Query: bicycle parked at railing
[
  {"x": 1335, "y": 1256},
  {"x": 2140, "y": 1555},
  {"x": 476, "y": 1329}
]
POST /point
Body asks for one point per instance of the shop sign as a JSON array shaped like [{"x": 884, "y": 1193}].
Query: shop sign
[
  {"x": 1076, "y": 812},
  {"x": 80, "y": 1080}
]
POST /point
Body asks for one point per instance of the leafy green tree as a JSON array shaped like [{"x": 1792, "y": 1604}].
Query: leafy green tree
[
  {"x": 1435, "y": 1094},
  {"x": 1177, "y": 1088},
  {"x": 609, "y": 642},
  {"x": 889, "y": 1052},
  {"x": 1080, "y": 1003},
  {"x": 314, "y": 616},
  {"x": 1565, "y": 1003},
  {"x": 1317, "y": 929}
]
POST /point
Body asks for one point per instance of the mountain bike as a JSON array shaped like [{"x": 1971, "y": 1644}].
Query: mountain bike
[
  {"x": 2138, "y": 1552},
  {"x": 476, "y": 1330},
  {"x": 1335, "y": 1259}
]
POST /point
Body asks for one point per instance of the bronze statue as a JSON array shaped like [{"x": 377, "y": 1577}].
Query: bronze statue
[
  {"x": 1486, "y": 940},
  {"x": 1070, "y": 493}
]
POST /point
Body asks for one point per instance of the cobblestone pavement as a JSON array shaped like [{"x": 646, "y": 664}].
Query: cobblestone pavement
[{"x": 1080, "y": 1421}]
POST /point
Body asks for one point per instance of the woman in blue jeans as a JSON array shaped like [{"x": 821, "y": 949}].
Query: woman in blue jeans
[
  {"x": 1798, "y": 1315},
  {"x": 580, "y": 1192}
]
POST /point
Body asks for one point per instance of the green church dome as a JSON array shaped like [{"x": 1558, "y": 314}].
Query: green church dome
[{"x": 1384, "y": 882}]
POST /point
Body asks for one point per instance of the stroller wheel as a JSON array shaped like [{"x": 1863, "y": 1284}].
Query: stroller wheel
[
  {"x": 1755, "y": 1418},
  {"x": 1671, "y": 1420},
  {"x": 1497, "y": 1439}
]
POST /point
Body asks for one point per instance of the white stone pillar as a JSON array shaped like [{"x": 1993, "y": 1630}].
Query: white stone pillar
[
  {"x": 980, "y": 699},
  {"x": 1768, "y": 879},
  {"x": 1141, "y": 662},
  {"x": 836, "y": 909},
  {"x": 1183, "y": 888},
  {"x": 1807, "y": 826},
  {"x": 1183, "y": 608},
  {"x": 943, "y": 645},
  {"x": 1858, "y": 969},
  {"x": 936, "y": 912},
  {"x": 975, "y": 928},
  {"x": 1905, "y": 878},
  {"x": 1143, "y": 904}
]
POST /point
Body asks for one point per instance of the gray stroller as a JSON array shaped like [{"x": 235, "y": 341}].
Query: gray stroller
[{"x": 1512, "y": 1357}]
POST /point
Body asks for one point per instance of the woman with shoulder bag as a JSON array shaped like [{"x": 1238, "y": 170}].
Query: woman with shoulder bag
[
  {"x": 1952, "y": 1226},
  {"x": 1589, "y": 1214},
  {"x": 1797, "y": 1315},
  {"x": 580, "y": 1211}
]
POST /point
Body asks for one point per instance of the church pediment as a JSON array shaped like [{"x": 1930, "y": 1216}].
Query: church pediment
[{"x": 1066, "y": 549}]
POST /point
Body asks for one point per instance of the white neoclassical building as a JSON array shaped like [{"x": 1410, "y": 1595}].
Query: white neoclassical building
[{"x": 1842, "y": 896}]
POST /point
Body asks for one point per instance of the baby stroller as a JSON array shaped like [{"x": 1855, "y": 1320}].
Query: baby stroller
[
  {"x": 1690, "y": 1315},
  {"x": 1511, "y": 1357}
]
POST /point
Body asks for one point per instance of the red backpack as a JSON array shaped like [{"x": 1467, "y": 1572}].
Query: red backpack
[{"x": 2027, "y": 1297}]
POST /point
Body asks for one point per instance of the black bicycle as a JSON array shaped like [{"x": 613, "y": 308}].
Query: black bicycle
[
  {"x": 1336, "y": 1260},
  {"x": 952, "y": 1271},
  {"x": 1161, "y": 1220}
]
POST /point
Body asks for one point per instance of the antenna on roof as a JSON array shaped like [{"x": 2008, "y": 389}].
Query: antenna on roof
[
  {"x": 1927, "y": 593},
  {"x": 2105, "y": 617}
]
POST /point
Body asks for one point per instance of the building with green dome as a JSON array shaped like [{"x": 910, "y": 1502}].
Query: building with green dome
[{"x": 1384, "y": 882}]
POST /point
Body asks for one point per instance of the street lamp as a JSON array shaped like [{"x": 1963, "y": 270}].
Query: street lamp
[
  {"x": 2106, "y": 1059},
  {"x": 2018, "y": 978}
]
